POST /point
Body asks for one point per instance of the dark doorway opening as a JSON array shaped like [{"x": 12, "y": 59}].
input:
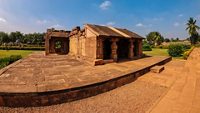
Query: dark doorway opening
[
  {"x": 107, "y": 49},
  {"x": 123, "y": 49},
  {"x": 135, "y": 49},
  {"x": 60, "y": 45}
]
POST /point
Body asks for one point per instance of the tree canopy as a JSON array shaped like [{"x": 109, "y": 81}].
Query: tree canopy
[
  {"x": 154, "y": 38},
  {"x": 20, "y": 38}
]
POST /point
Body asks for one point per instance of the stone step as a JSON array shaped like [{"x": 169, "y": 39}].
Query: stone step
[{"x": 157, "y": 69}]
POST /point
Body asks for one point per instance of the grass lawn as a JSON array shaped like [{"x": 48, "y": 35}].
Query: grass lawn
[
  {"x": 7, "y": 53},
  {"x": 157, "y": 52}
]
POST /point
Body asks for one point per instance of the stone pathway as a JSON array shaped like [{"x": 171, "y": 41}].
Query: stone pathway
[
  {"x": 40, "y": 73},
  {"x": 184, "y": 95}
]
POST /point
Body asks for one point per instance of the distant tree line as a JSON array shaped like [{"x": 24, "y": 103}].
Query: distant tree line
[
  {"x": 17, "y": 39},
  {"x": 155, "y": 38}
]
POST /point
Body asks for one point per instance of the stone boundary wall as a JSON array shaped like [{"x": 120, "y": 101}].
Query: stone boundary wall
[{"x": 57, "y": 97}]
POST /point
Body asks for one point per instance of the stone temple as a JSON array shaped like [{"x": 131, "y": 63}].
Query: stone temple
[
  {"x": 44, "y": 80},
  {"x": 95, "y": 44}
]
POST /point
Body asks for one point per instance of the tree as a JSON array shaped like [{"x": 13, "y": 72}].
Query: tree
[
  {"x": 199, "y": 38},
  {"x": 4, "y": 38},
  {"x": 34, "y": 39},
  {"x": 20, "y": 38},
  {"x": 155, "y": 38},
  {"x": 192, "y": 30},
  {"x": 12, "y": 37},
  {"x": 177, "y": 39},
  {"x": 16, "y": 37},
  {"x": 167, "y": 40}
]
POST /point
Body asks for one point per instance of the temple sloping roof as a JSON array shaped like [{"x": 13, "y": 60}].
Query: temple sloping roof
[{"x": 112, "y": 31}]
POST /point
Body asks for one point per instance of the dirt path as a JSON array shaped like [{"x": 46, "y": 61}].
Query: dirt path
[{"x": 135, "y": 97}]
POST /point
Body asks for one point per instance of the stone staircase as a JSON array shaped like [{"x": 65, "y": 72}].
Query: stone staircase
[{"x": 184, "y": 94}]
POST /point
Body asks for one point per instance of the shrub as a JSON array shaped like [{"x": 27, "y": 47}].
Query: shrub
[
  {"x": 4, "y": 62},
  {"x": 186, "y": 46},
  {"x": 197, "y": 45},
  {"x": 163, "y": 46},
  {"x": 20, "y": 48},
  {"x": 175, "y": 50},
  {"x": 8, "y": 60},
  {"x": 14, "y": 58},
  {"x": 187, "y": 53},
  {"x": 146, "y": 47}
]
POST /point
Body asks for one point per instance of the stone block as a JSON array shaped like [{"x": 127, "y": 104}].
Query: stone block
[
  {"x": 157, "y": 69},
  {"x": 98, "y": 62}
]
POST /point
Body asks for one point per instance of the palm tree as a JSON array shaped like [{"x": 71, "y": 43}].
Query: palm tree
[{"x": 192, "y": 30}]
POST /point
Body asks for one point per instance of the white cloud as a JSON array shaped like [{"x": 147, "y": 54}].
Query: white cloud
[
  {"x": 2, "y": 20},
  {"x": 41, "y": 22},
  {"x": 176, "y": 24},
  {"x": 180, "y": 15},
  {"x": 139, "y": 25},
  {"x": 110, "y": 23},
  {"x": 58, "y": 26},
  {"x": 105, "y": 5},
  {"x": 157, "y": 19}
]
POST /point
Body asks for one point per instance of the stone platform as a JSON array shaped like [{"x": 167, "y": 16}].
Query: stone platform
[{"x": 40, "y": 80}]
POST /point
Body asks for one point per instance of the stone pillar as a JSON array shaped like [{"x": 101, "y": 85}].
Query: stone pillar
[
  {"x": 46, "y": 45},
  {"x": 131, "y": 47},
  {"x": 114, "y": 49},
  {"x": 100, "y": 48},
  {"x": 140, "y": 48},
  {"x": 52, "y": 45}
]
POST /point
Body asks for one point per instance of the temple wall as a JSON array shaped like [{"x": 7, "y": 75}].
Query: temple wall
[
  {"x": 90, "y": 44},
  {"x": 82, "y": 45},
  {"x": 73, "y": 44}
]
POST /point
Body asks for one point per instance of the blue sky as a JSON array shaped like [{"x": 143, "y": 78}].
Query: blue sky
[{"x": 141, "y": 16}]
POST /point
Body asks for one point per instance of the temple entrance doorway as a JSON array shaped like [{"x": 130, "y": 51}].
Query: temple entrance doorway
[
  {"x": 59, "y": 45},
  {"x": 123, "y": 49},
  {"x": 107, "y": 49}
]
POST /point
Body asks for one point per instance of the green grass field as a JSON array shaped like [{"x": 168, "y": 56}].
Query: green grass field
[
  {"x": 7, "y": 53},
  {"x": 157, "y": 52}
]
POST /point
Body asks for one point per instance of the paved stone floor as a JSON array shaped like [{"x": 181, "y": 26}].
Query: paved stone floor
[
  {"x": 136, "y": 97},
  {"x": 39, "y": 73},
  {"x": 184, "y": 94}
]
